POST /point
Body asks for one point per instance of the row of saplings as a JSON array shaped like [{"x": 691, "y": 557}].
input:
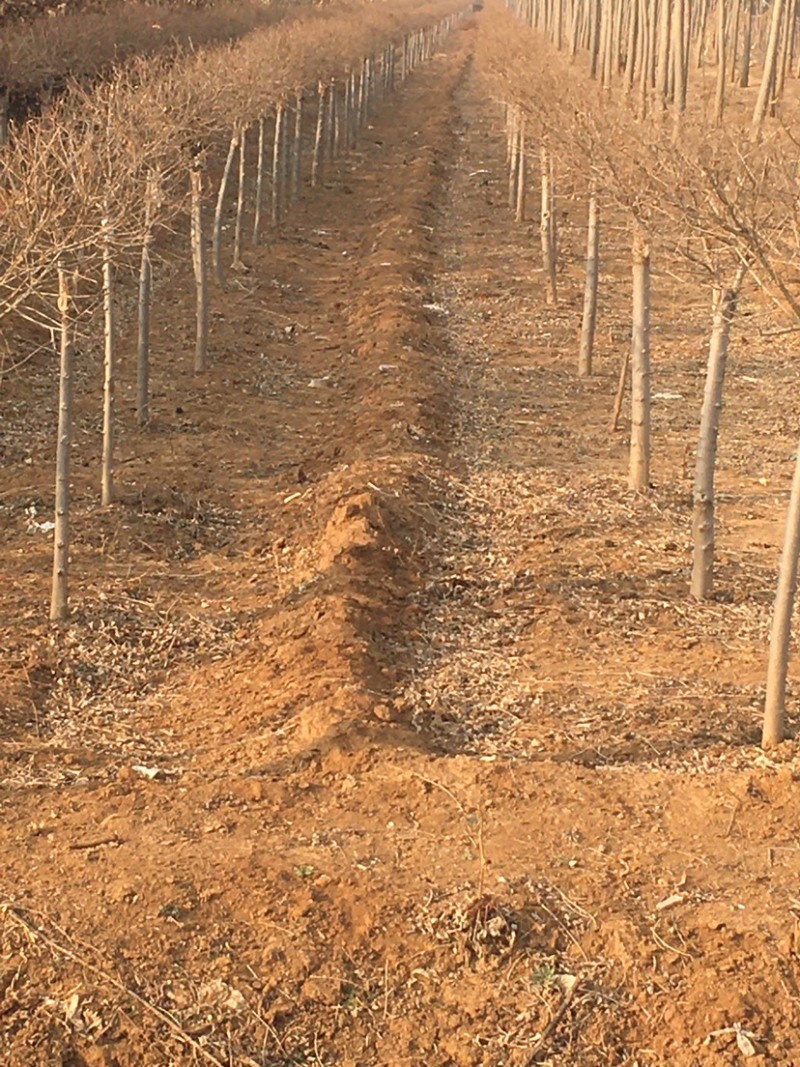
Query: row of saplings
[
  {"x": 730, "y": 235},
  {"x": 125, "y": 175}
]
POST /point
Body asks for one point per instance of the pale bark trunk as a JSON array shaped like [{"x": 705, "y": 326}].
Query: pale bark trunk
[
  {"x": 237, "y": 230},
  {"x": 768, "y": 76},
  {"x": 276, "y": 165},
  {"x": 520, "y": 205},
  {"x": 774, "y": 728},
  {"x": 546, "y": 231},
  {"x": 640, "y": 363},
  {"x": 59, "y": 595},
  {"x": 216, "y": 239},
  {"x": 259, "y": 182},
  {"x": 722, "y": 65},
  {"x": 679, "y": 54},
  {"x": 330, "y": 134},
  {"x": 513, "y": 165},
  {"x": 734, "y": 41},
  {"x": 590, "y": 292},
  {"x": 319, "y": 137},
  {"x": 297, "y": 154},
  {"x": 747, "y": 43},
  {"x": 703, "y": 514},
  {"x": 786, "y": 46},
  {"x": 634, "y": 31},
  {"x": 594, "y": 40},
  {"x": 145, "y": 291},
  {"x": 664, "y": 52},
  {"x": 700, "y": 55},
  {"x": 200, "y": 273},
  {"x": 109, "y": 368},
  {"x": 622, "y": 384}
]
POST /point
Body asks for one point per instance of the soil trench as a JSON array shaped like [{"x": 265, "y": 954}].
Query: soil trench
[{"x": 393, "y": 738}]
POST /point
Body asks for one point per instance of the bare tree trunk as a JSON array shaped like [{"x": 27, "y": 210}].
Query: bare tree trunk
[
  {"x": 297, "y": 154},
  {"x": 259, "y": 182},
  {"x": 59, "y": 596},
  {"x": 747, "y": 42},
  {"x": 634, "y": 32},
  {"x": 319, "y": 134},
  {"x": 109, "y": 368},
  {"x": 622, "y": 384},
  {"x": 786, "y": 47},
  {"x": 734, "y": 42},
  {"x": 276, "y": 165},
  {"x": 519, "y": 214},
  {"x": 590, "y": 291},
  {"x": 513, "y": 165},
  {"x": 664, "y": 52},
  {"x": 352, "y": 142},
  {"x": 546, "y": 229},
  {"x": 286, "y": 163},
  {"x": 216, "y": 239},
  {"x": 237, "y": 230},
  {"x": 679, "y": 54},
  {"x": 145, "y": 289},
  {"x": 595, "y": 37},
  {"x": 704, "y": 505},
  {"x": 200, "y": 272},
  {"x": 774, "y": 728},
  {"x": 768, "y": 76},
  {"x": 330, "y": 135},
  {"x": 700, "y": 54},
  {"x": 722, "y": 64},
  {"x": 640, "y": 363}
]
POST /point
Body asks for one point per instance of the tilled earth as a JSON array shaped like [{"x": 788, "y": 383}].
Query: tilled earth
[{"x": 385, "y": 732}]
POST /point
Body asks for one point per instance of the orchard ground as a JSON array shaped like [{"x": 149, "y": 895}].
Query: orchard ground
[{"x": 385, "y": 731}]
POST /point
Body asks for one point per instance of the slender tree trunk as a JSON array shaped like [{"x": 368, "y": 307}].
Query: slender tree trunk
[
  {"x": 664, "y": 53},
  {"x": 768, "y": 76},
  {"x": 700, "y": 54},
  {"x": 679, "y": 54},
  {"x": 109, "y": 369},
  {"x": 259, "y": 182},
  {"x": 786, "y": 47},
  {"x": 590, "y": 291},
  {"x": 704, "y": 504},
  {"x": 622, "y": 385},
  {"x": 276, "y": 164},
  {"x": 216, "y": 240},
  {"x": 774, "y": 728},
  {"x": 634, "y": 32},
  {"x": 640, "y": 363},
  {"x": 520, "y": 205},
  {"x": 59, "y": 596},
  {"x": 319, "y": 137},
  {"x": 546, "y": 229},
  {"x": 145, "y": 290},
  {"x": 297, "y": 154},
  {"x": 594, "y": 39},
  {"x": 747, "y": 43},
  {"x": 286, "y": 163},
  {"x": 513, "y": 166},
  {"x": 734, "y": 42},
  {"x": 237, "y": 230},
  {"x": 200, "y": 272},
  {"x": 332, "y": 120},
  {"x": 722, "y": 64}
]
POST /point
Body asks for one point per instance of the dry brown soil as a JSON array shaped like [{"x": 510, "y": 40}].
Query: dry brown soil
[{"x": 438, "y": 764}]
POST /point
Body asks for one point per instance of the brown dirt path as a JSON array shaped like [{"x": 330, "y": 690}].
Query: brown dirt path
[{"x": 456, "y": 777}]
